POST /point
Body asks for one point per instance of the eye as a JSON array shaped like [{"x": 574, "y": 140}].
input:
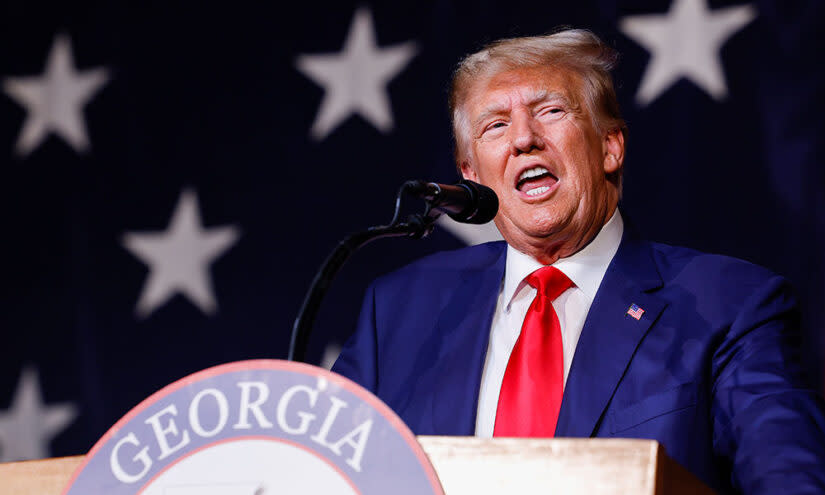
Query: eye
[
  {"x": 553, "y": 111},
  {"x": 494, "y": 128}
]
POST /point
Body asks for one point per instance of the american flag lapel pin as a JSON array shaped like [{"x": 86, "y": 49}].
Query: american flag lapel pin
[{"x": 635, "y": 311}]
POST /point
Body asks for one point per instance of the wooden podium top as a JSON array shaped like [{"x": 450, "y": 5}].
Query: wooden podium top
[
  {"x": 43, "y": 477},
  {"x": 469, "y": 465}
]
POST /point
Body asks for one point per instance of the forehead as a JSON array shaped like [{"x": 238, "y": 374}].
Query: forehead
[{"x": 526, "y": 85}]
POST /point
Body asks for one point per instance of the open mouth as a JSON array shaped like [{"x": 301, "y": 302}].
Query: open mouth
[{"x": 535, "y": 181}]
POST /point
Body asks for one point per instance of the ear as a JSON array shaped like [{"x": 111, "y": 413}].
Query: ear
[
  {"x": 468, "y": 172},
  {"x": 613, "y": 151}
]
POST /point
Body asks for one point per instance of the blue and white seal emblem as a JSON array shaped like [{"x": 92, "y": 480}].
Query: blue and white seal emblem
[{"x": 258, "y": 428}]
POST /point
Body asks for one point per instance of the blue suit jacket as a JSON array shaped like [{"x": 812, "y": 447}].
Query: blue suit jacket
[{"x": 711, "y": 370}]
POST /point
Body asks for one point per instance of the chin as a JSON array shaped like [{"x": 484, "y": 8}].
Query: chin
[
  {"x": 546, "y": 223},
  {"x": 518, "y": 235},
  {"x": 533, "y": 222}
]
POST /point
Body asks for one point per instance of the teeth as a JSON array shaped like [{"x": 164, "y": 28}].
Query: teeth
[
  {"x": 537, "y": 191},
  {"x": 533, "y": 172}
]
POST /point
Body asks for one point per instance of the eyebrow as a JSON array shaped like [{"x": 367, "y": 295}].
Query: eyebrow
[{"x": 530, "y": 97}]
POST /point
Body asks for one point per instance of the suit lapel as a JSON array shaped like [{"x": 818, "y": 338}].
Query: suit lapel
[
  {"x": 465, "y": 324},
  {"x": 610, "y": 337}
]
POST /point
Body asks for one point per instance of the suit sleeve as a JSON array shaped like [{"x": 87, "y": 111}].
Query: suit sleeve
[
  {"x": 768, "y": 422},
  {"x": 358, "y": 360}
]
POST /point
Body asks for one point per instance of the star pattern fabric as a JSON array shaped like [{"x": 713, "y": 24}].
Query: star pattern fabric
[
  {"x": 287, "y": 121},
  {"x": 685, "y": 42},
  {"x": 355, "y": 80},
  {"x": 55, "y": 100},
  {"x": 28, "y": 425},
  {"x": 179, "y": 258}
]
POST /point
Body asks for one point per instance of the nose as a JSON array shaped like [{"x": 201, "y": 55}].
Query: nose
[{"x": 525, "y": 134}]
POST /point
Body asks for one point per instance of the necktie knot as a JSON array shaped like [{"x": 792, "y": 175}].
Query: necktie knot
[{"x": 549, "y": 281}]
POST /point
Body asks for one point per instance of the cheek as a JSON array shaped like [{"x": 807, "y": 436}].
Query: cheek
[
  {"x": 588, "y": 168},
  {"x": 491, "y": 160}
]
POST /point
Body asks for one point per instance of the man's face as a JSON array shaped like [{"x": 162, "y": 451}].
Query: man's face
[{"x": 532, "y": 140}]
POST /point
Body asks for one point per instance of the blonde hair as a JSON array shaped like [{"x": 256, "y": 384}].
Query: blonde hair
[{"x": 578, "y": 50}]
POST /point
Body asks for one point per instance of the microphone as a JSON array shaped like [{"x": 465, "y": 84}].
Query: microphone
[{"x": 465, "y": 202}]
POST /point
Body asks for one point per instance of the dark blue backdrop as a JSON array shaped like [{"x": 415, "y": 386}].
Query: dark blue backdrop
[{"x": 205, "y": 110}]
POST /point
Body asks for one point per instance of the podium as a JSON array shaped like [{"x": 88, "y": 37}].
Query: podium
[{"x": 469, "y": 465}]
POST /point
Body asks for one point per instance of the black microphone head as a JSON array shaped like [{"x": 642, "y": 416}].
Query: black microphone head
[{"x": 485, "y": 204}]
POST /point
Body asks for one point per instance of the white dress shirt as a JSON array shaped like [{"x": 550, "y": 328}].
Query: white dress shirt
[{"x": 585, "y": 268}]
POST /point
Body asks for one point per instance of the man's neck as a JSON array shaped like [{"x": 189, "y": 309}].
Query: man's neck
[
  {"x": 548, "y": 253},
  {"x": 585, "y": 267}
]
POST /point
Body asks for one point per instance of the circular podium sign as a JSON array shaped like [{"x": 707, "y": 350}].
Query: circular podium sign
[{"x": 260, "y": 427}]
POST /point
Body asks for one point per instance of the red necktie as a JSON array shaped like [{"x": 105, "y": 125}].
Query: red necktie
[{"x": 530, "y": 398}]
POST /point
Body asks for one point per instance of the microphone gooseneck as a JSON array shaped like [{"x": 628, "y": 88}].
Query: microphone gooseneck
[{"x": 466, "y": 202}]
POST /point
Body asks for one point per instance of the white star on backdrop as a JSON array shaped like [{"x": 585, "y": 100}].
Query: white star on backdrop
[
  {"x": 355, "y": 80},
  {"x": 470, "y": 234},
  {"x": 685, "y": 42},
  {"x": 179, "y": 258},
  {"x": 28, "y": 426},
  {"x": 331, "y": 353},
  {"x": 55, "y": 100}
]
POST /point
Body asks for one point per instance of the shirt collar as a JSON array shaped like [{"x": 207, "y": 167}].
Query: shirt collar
[{"x": 585, "y": 268}]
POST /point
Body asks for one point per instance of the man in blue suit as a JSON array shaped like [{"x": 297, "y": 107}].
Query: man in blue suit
[{"x": 697, "y": 351}]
